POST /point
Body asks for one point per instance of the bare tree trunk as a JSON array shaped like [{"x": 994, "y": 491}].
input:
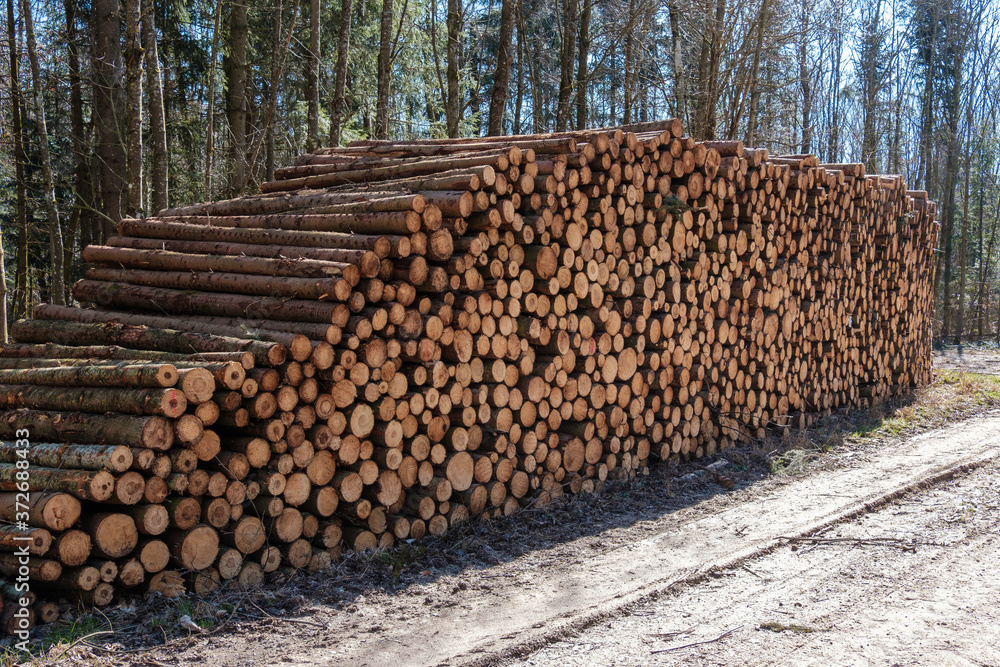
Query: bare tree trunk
[
  {"x": 210, "y": 116},
  {"x": 157, "y": 119},
  {"x": 340, "y": 85},
  {"x": 677, "y": 58},
  {"x": 312, "y": 76},
  {"x": 453, "y": 105},
  {"x": 751, "y": 136},
  {"x": 567, "y": 60},
  {"x": 133, "y": 115},
  {"x": 870, "y": 86},
  {"x": 532, "y": 62},
  {"x": 804, "y": 81},
  {"x": 715, "y": 58},
  {"x": 628, "y": 100},
  {"x": 57, "y": 284},
  {"x": 582, "y": 74},
  {"x": 985, "y": 259},
  {"x": 384, "y": 72},
  {"x": 501, "y": 77},
  {"x": 83, "y": 205},
  {"x": 266, "y": 133},
  {"x": 833, "y": 142},
  {"x": 235, "y": 66},
  {"x": 951, "y": 167},
  {"x": 516, "y": 129},
  {"x": 21, "y": 275},
  {"x": 964, "y": 242},
  {"x": 109, "y": 109}
]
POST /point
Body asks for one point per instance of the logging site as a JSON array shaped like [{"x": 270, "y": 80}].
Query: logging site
[{"x": 516, "y": 333}]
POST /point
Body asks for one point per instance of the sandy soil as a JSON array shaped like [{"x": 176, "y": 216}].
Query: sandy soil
[{"x": 905, "y": 573}]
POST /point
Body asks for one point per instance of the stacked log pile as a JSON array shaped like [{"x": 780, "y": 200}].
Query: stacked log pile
[{"x": 395, "y": 337}]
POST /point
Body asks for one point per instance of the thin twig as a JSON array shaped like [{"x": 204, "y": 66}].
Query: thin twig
[
  {"x": 81, "y": 639},
  {"x": 707, "y": 641},
  {"x": 863, "y": 540},
  {"x": 290, "y": 620}
]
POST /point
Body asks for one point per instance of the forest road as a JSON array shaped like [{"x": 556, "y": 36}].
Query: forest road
[{"x": 903, "y": 572}]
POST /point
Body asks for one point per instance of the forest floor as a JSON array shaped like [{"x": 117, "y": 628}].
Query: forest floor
[{"x": 871, "y": 538}]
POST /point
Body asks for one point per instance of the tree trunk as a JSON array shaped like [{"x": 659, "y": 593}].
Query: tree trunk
[
  {"x": 210, "y": 116},
  {"x": 519, "y": 100},
  {"x": 567, "y": 60},
  {"x": 452, "y": 104},
  {"x": 109, "y": 102},
  {"x": 751, "y": 136},
  {"x": 266, "y": 133},
  {"x": 235, "y": 66},
  {"x": 870, "y": 54},
  {"x": 21, "y": 210},
  {"x": 340, "y": 85},
  {"x": 57, "y": 277},
  {"x": 164, "y": 402},
  {"x": 501, "y": 77},
  {"x": 950, "y": 182},
  {"x": 677, "y": 61},
  {"x": 157, "y": 118},
  {"x": 150, "y": 432},
  {"x": 312, "y": 77},
  {"x": 84, "y": 207},
  {"x": 133, "y": 112},
  {"x": 582, "y": 75},
  {"x": 116, "y": 458},
  {"x": 804, "y": 81},
  {"x": 963, "y": 249},
  {"x": 384, "y": 71}
]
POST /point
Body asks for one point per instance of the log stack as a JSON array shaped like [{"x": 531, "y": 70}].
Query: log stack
[{"x": 395, "y": 337}]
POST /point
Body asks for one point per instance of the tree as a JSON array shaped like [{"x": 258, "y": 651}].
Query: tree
[
  {"x": 384, "y": 71},
  {"x": 312, "y": 76},
  {"x": 109, "y": 109},
  {"x": 501, "y": 77},
  {"x": 57, "y": 278},
  {"x": 234, "y": 63},
  {"x": 157, "y": 118},
  {"x": 340, "y": 84},
  {"x": 133, "y": 112},
  {"x": 567, "y": 60}
]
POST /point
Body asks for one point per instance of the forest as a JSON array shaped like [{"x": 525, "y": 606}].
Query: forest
[{"x": 116, "y": 109}]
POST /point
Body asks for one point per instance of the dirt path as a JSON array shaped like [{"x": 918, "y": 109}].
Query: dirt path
[
  {"x": 674, "y": 565},
  {"x": 966, "y": 358},
  {"x": 913, "y": 583}
]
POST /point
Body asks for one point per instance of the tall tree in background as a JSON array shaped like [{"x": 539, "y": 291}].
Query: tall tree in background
[
  {"x": 583, "y": 53},
  {"x": 234, "y": 63},
  {"x": 109, "y": 109},
  {"x": 20, "y": 208},
  {"x": 955, "y": 36},
  {"x": 313, "y": 61},
  {"x": 501, "y": 77},
  {"x": 210, "y": 116},
  {"x": 157, "y": 117},
  {"x": 384, "y": 71},
  {"x": 567, "y": 60},
  {"x": 57, "y": 277},
  {"x": 871, "y": 65},
  {"x": 452, "y": 102},
  {"x": 132, "y": 54},
  {"x": 340, "y": 82}
]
